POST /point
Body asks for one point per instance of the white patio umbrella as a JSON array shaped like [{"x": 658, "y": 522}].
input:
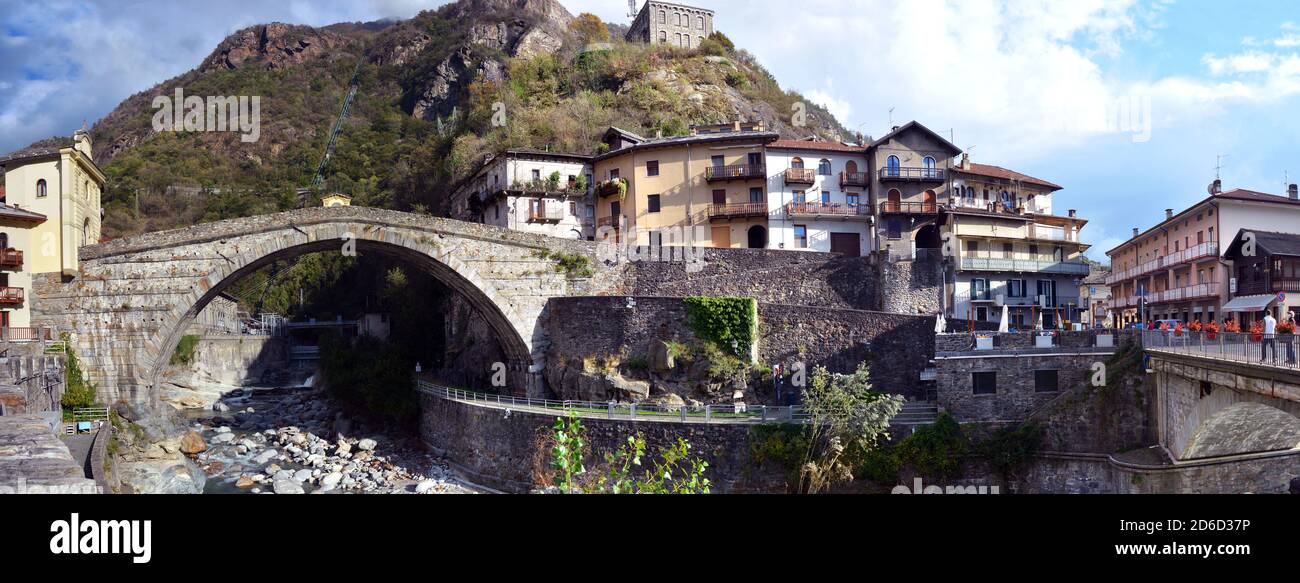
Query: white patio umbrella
[
  {"x": 1039, "y": 324},
  {"x": 940, "y": 325},
  {"x": 1005, "y": 326}
]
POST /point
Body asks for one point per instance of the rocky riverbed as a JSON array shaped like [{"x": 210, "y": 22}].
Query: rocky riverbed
[{"x": 296, "y": 441}]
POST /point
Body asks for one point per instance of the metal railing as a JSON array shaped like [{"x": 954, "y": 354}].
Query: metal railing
[
  {"x": 1194, "y": 253},
  {"x": 744, "y": 209},
  {"x": 12, "y": 295},
  {"x": 10, "y": 257},
  {"x": 1024, "y": 265},
  {"x": 735, "y": 172},
  {"x": 8, "y": 334},
  {"x": 611, "y": 410},
  {"x": 853, "y": 179},
  {"x": 915, "y": 208},
  {"x": 1278, "y": 350},
  {"x": 800, "y": 176},
  {"x": 912, "y": 173},
  {"x": 801, "y": 209}
]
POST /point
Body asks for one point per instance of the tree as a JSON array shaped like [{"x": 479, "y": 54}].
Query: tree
[
  {"x": 590, "y": 28},
  {"x": 674, "y": 472},
  {"x": 843, "y": 412}
]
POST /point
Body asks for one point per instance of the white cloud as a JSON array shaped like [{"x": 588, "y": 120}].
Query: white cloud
[{"x": 839, "y": 107}]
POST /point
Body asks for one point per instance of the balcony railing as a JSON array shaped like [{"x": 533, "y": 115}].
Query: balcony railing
[
  {"x": 1049, "y": 233},
  {"x": 800, "y": 176},
  {"x": 607, "y": 222},
  {"x": 737, "y": 211},
  {"x": 909, "y": 208},
  {"x": 1278, "y": 285},
  {"x": 27, "y": 334},
  {"x": 912, "y": 174},
  {"x": 1196, "y": 253},
  {"x": 817, "y": 209},
  {"x": 610, "y": 187},
  {"x": 546, "y": 213},
  {"x": 848, "y": 179},
  {"x": 11, "y": 295},
  {"x": 1024, "y": 265},
  {"x": 735, "y": 172},
  {"x": 11, "y": 258},
  {"x": 1181, "y": 294}
]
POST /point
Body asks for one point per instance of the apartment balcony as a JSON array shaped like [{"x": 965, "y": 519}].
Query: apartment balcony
[
  {"x": 1025, "y": 265},
  {"x": 912, "y": 174},
  {"x": 1188, "y": 255},
  {"x": 611, "y": 222},
  {"x": 817, "y": 210},
  {"x": 27, "y": 335},
  {"x": 549, "y": 213},
  {"x": 801, "y": 176},
  {"x": 11, "y": 258},
  {"x": 856, "y": 179},
  {"x": 11, "y": 296},
  {"x": 735, "y": 172},
  {"x": 611, "y": 187},
  {"x": 908, "y": 208},
  {"x": 737, "y": 211},
  {"x": 1050, "y": 233},
  {"x": 1276, "y": 286},
  {"x": 997, "y": 297},
  {"x": 1186, "y": 293}
]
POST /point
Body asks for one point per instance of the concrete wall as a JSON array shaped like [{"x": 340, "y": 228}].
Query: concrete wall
[
  {"x": 227, "y": 360},
  {"x": 30, "y": 380}
]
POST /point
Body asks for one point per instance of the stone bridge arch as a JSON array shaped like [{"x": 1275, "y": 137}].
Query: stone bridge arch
[
  {"x": 134, "y": 298},
  {"x": 1209, "y": 408}
]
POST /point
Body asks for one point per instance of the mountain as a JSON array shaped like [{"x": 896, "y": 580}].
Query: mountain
[{"x": 424, "y": 112}]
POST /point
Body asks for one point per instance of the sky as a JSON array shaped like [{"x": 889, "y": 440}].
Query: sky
[{"x": 1131, "y": 105}]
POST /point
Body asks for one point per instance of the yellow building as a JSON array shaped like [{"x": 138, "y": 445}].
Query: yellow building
[
  {"x": 652, "y": 190},
  {"x": 335, "y": 199},
  {"x": 64, "y": 185}
]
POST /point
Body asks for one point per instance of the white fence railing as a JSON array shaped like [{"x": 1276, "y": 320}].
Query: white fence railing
[
  {"x": 610, "y": 410},
  {"x": 1276, "y": 350}
]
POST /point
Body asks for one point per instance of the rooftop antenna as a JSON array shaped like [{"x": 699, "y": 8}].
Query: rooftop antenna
[
  {"x": 1218, "y": 166},
  {"x": 891, "y": 118}
]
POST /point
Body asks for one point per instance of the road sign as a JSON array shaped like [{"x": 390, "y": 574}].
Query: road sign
[{"x": 1281, "y": 298}]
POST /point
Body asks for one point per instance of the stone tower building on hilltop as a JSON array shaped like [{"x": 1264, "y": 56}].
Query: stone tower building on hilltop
[{"x": 671, "y": 24}]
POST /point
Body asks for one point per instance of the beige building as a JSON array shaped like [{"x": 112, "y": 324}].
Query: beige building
[
  {"x": 908, "y": 175},
  {"x": 64, "y": 185},
  {"x": 676, "y": 25},
  {"x": 547, "y": 193},
  {"x": 714, "y": 181},
  {"x": 1175, "y": 270},
  {"x": 51, "y": 207},
  {"x": 1011, "y": 250},
  {"x": 1094, "y": 295}
]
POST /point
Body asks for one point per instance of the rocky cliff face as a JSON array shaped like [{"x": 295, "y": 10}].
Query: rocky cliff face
[{"x": 273, "y": 46}]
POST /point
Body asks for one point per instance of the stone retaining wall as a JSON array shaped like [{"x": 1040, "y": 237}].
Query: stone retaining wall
[
  {"x": 31, "y": 381},
  {"x": 510, "y": 450}
]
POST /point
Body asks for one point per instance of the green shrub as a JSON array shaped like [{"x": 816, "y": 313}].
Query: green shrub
[
  {"x": 730, "y": 323},
  {"x": 77, "y": 392},
  {"x": 1010, "y": 449},
  {"x": 880, "y": 465},
  {"x": 184, "y": 353},
  {"x": 935, "y": 451}
]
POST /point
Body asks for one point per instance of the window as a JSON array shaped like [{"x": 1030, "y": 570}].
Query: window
[
  {"x": 652, "y": 203},
  {"x": 852, "y": 199},
  {"x": 756, "y": 194},
  {"x": 800, "y": 196},
  {"x": 40, "y": 188},
  {"x": 979, "y": 289},
  {"x": 718, "y": 161},
  {"x": 686, "y": 40},
  {"x": 677, "y": 18},
  {"x": 824, "y": 167},
  {"x": 928, "y": 163},
  {"x": 801, "y": 236},
  {"x": 652, "y": 168},
  {"x": 573, "y": 209},
  {"x": 663, "y": 36},
  {"x": 537, "y": 174},
  {"x": 894, "y": 229},
  {"x": 590, "y": 213},
  {"x": 893, "y": 167},
  {"x": 1008, "y": 251},
  {"x": 984, "y": 383},
  {"x": 826, "y": 197},
  {"x": 613, "y": 173},
  {"x": 663, "y": 17},
  {"x": 797, "y": 163},
  {"x": 1016, "y": 288},
  {"x": 1045, "y": 381},
  {"x": 972, "y": 247}
]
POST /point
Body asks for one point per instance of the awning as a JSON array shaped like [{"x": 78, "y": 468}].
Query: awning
[{"x": 1250, "y": 303}]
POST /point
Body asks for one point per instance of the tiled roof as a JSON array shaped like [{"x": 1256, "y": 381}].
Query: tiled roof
[
  {"x": 917, "y": 125},
  {"x": 1003, "y": 173},
  {"x": 821, "y": 146},
  {"x": 17, "y": 214},
  {"x": 46, "y": 147},
  {"x": 1235, "y": 194},
  {"x": 765, "y": 137},
  {"x": 1271, "y": 242}
]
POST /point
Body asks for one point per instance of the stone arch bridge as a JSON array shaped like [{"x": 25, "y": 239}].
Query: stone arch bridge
[{"x": 134, "y": 298}]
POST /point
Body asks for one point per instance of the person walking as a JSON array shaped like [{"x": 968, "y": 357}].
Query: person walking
[{"x": 1270, "y": 333}]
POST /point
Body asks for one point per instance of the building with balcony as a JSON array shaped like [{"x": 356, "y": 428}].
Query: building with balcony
[
  {"x": 1265, "y": 275},
  {"x": 671, "y": 24},
  {"x": 649, "y": 191},
  {"x": 1010, "y": 250},
  {"x": 530, "y": 190},
  {"x": 907, "y": 175},
  {"x": 16, "y": 244},
  {"x": 818, "y": 197},
  {"x": 1094, "y": 296},
  {"x": 62, "y": 184},
  {"x": 1175, "y": 270}
]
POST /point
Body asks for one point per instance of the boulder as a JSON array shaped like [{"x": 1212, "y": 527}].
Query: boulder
[
  {"x": 628, "y": 389},
  {"x": 330, "y": 481},
  {"x": 286, "y": 486},
  {"x": 192, "y": 444},
  {"x": 366, "y": 445},
  {"x": 425, "y": 486},
  {"x": 244, "y": 482},
  {"x": 661, "y": 358}
]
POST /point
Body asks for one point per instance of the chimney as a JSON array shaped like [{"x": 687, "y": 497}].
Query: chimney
[
  {"x": 1169, "y": 214},
  {"x": 1293, "y": 192},
  {"x": 735, "y": 126},
  {"x": 965, "y": 161},
  {"x": 659, "y": 134},
  {"x": 895, "y": 128},
  {"x": 1072, "y": 213},
  {"x": 1135, "y": 232}
]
